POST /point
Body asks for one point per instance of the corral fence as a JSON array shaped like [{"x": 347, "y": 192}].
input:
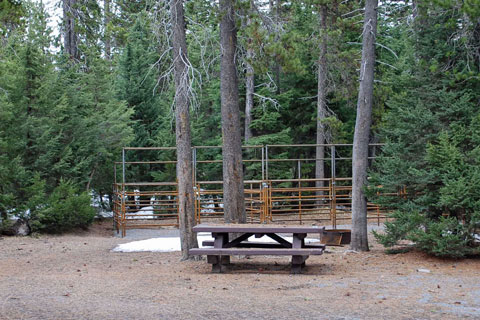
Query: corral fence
[{"x": 278, "y": 188}]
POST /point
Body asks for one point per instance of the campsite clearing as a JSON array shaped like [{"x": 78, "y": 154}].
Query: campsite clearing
[{"x": 77, "y": 276}]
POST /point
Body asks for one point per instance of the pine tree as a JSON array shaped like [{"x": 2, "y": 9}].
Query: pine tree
[
  {"x": 60, "y": 131},
  {"x": 137, "y": 84},
  {"x": 432, "y": 131},
  {"x": 362, "y": 129},
  {"x": 182, "y": 129},
  {"x": 234, "y": 204}
]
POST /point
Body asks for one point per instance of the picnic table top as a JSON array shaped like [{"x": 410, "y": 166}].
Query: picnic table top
[{"x": 257, "y": 228}]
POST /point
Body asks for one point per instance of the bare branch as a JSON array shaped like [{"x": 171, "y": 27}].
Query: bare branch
[
  {"x": 264, "y": 100},
  {"x": 387, "y": 48},
  {"x": 384, "y": 63}
]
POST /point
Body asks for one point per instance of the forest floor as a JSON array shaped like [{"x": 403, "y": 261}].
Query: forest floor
[{"x": 77, "y": 276}]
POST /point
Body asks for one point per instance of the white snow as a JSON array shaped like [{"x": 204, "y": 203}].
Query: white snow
[
  {"x": 167, "y": 244},
  {"x": 209, "y": 207},
  {"x": 147, "y": 212},
  {"x": 105, "y": 214},
  {"x": 170, "y": 244}
]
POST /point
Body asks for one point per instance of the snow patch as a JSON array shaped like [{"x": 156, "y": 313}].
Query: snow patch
[
  {"x": 105, "y": 214},
  {"x": 146, "y": 212},
  {"x": 171, "y": 244},
  {"x": 167, "y": 244}
]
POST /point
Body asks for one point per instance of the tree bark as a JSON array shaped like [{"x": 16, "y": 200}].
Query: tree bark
[
  {"x": 362, "y": 129},
  {"x": 321, "y": 100},
  {"x": 106, "y": 35},
  {"x": 233, "y": 193},
  {"x": 276, "y": 67},
  {"x": 182, "y": 131},
  {"x": 250, "y": 88},
  {"x": 70, "y": 38}
]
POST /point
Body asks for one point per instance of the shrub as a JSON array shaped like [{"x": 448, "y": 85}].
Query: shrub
[
  {"x": 445, "y": 237},
  {"x": 65, "y": 209}
]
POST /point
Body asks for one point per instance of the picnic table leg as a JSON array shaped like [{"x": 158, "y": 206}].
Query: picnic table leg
[
  {"x": 219, "y": 262},
  {"x": 298, "y": 262}
]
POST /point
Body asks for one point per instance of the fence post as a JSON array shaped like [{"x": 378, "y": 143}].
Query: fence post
[
  {"x": 266, "y": 162},
  {"x": 263, "y": 163},
  {"x": 334, "y": 191},
  {"x": 194, "y": 161}
]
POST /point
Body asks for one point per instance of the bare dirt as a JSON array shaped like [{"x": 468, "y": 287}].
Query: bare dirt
[{"x": 76, "y": 276}]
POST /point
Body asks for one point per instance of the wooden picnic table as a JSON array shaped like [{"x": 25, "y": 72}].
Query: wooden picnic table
[{"x": 223, "y": 247}]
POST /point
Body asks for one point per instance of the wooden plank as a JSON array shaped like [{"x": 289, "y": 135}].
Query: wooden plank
[
  {"x": 248, "y": 244},
  {"x": 238, "y": 240},
  {"x": 257, "y": 228},
  {"x": 251, "y": 244},
  {"x": 257, "y": 251},
  {"x": 221, "y": 239},
  {"x": 298, "y": 240},
  {"x": 280, "y": 240}
]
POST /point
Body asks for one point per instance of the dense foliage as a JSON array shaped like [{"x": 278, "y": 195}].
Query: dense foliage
[
  {"x": 58, "y": 130},
  {"x": 432, "y": 130}
]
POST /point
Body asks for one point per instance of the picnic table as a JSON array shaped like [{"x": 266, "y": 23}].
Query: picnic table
[{"x": 222, "y": 247}]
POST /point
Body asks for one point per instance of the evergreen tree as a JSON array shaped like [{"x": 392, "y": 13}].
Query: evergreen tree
[
  {"x": 60, "y": 131},
  {"x": 11, "y": 13},
  {"x": 432, "y": 134},
  {"x": 138, "y": 84},
  {"x": 182, "y": 130},
  {"x": 234, "y": 204}
]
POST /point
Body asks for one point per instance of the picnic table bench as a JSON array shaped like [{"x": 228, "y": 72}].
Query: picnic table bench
[{"x": 222, "y": 247}]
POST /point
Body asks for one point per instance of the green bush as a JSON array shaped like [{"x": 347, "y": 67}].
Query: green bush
[
  {"x": 65, "y": 209},
  {"x": 400, "y": 228},
  {"x": 445, "y": 237}
]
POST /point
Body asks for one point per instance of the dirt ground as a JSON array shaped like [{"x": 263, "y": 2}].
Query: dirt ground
[{"x": 76, "y": 276}]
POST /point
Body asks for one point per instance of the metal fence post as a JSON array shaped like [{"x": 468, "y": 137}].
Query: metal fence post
[
  {"x": 266, "y": 162},
  {"x": 334, "y": 192}
]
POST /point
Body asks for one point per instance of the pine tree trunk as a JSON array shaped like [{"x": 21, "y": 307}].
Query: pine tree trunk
[
  {"x": 250, "y": 89},
  {"x": 106, "y": 21},
  {"x": 276, "y": 67},
  {"x": 321, "y": 100},
  {"x": 69, "y": 34},
  {"x": 362, "y": 129},
  {"x": 233, "y": 193},
  {"x": 182, "y": 130}
]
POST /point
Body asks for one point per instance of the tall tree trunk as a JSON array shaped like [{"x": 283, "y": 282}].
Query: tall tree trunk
[
  {"x": 234, "y": 204},
  {"x": 322, "y": 99},
  {"x": 106, "y": 20},
  {"x": 70, "y": 39},
  {"x": 182, "y": 130},
  {"x": 362, "y": 129},
  {"x": 250, "y": 87},
  {"x": 276, "y": 67}
]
